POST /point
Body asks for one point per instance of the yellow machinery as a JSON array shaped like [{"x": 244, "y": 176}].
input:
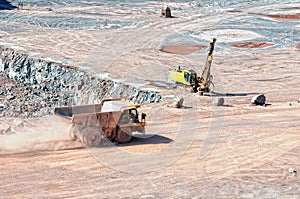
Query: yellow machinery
[
  {"x": 190, "y": 78},
  {"x": 114, "y": 119},
  {"x": 183, "y": 76}
]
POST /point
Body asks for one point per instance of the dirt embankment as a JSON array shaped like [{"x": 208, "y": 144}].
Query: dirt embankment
[{"x": 33, "y": 87}]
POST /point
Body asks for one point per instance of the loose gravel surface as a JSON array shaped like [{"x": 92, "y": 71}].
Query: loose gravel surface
[{"x": 238, "y": 150}]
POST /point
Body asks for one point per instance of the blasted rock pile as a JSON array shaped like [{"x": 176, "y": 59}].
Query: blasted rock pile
[{"x": 32, "y": 87}]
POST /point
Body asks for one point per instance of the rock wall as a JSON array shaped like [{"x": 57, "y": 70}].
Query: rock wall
[{"x": 31, "y": 87}]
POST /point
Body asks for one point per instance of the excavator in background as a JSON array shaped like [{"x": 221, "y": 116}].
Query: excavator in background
[{"x": 189, "y": 77}]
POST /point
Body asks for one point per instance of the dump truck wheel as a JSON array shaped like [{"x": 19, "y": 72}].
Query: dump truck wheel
[
  {"x": 92, "y": 137},
  {"x": 73, "y": 132},
  {"x": 123, "y": 136}
]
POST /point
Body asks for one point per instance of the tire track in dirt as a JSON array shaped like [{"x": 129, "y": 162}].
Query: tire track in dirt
[{"x": 236, "y": 161}]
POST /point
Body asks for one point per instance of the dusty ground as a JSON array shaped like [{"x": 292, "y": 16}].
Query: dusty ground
[{"x": 201, "y": 151}]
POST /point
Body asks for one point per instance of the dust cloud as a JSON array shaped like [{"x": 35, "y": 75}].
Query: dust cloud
[{"x": 46, "y": 134}]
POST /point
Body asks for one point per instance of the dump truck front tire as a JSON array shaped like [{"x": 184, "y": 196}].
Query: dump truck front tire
[{"x": 124, "y": 136}]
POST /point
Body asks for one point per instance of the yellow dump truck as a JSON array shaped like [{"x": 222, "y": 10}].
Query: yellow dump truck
[{"x": 114, "y": 119}]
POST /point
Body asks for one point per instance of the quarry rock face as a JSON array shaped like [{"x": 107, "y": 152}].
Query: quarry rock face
[
  {"x": 259, "y": 99},
  {"x": 33, "y": 87}
]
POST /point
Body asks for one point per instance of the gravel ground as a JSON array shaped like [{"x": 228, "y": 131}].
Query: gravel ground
[{"x": 200, "y": 151}]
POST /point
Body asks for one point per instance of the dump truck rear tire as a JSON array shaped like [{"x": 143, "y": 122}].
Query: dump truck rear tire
[
  {"x": 73, "y": 132},
  {"x": 123, "y": 136},
  {"x": 92, "y": 137}
]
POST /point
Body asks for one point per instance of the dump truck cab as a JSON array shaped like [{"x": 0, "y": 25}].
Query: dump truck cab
[{"x": 131, "y": 116}]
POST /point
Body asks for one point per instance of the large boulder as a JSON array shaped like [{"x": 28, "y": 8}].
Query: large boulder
[
  {"x": 178, "y": 102},
  {"x": 293, "y": 171},
  {"x": 259, "y": 100},
  {"x": 166, "y": 12},
  {"x": 4, "y": 128},
  {"x": 218, "y": 101}
]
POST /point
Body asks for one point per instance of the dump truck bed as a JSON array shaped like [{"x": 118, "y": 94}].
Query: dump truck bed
[
  {"x": 68, "y": 111},
  {"x": 108, "y": 106}
]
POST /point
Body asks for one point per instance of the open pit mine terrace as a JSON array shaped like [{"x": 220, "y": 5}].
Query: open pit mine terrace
[{"x": 32, "y": 87}]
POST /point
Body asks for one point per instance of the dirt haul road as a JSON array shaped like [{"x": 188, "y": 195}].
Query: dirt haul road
[
  {"x": 251, "y": 157},
  {"x": 200, "y": 151}
]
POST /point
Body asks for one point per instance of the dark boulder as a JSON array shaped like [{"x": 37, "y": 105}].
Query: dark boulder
[
  {"x": 259, "y": 100},
  {"x": 6, "y": 5}
]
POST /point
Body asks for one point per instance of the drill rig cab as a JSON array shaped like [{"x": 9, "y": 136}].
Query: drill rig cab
[{"x": 183, "y": 76}]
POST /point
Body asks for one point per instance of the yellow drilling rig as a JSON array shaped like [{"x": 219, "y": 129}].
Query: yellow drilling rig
[{"x": 189, "y": 77}]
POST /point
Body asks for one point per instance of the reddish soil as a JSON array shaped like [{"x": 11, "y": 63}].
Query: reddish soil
[
  {"x": 183, "y": 49},
  {"x": 252, "y": 45},
  {"x": 291, "y": 8},
  {"x": 284, "y": 17},
  {"x": 6, "y": 82},
  {"x": 234, "y": 11},
  {"x": 298, "y": 45}
]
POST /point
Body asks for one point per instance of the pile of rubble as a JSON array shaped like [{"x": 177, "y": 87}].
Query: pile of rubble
[{"x": 33, "y": 87}]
